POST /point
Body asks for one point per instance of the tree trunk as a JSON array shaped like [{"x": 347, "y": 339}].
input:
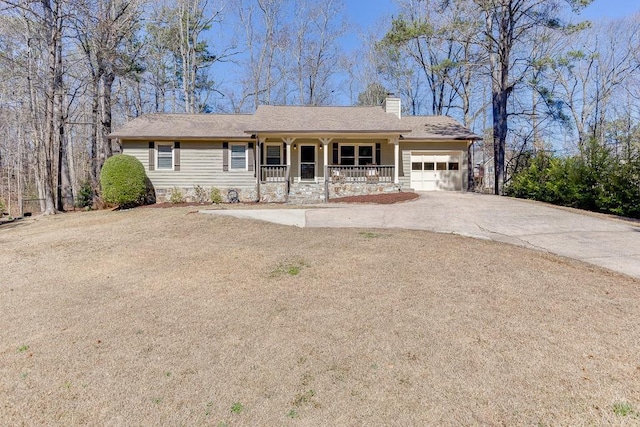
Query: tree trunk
[
  {"x": 499, "y": 138},
  {"x": 106, "y": 150},
  {"x": 499, "y": 60},
  {"x": 93, "y": 145},
  {"x": 47, "y": 164},
  {"x": 61, "y": 131},
  {"x": 59, "y": 196}
]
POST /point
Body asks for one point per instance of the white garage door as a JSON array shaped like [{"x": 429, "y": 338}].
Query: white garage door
[{"x": 432, "y": 172}]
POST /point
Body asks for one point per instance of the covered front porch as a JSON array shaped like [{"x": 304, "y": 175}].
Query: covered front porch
[{"x": 315, "y": 169}]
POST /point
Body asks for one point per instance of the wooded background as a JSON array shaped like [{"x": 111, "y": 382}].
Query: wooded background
[{"x": 528, "y": 75}]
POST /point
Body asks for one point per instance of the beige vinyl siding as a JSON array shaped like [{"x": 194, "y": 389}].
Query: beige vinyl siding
[
  {"x": 139, "y": 150},
  {"x": 406, "y": 147},
  {"x": 200, "y": 164},
  {"x": 386, "y": 154}
]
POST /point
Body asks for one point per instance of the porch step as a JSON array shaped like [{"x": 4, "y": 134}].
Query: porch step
[{"x": 306, "y": 193}]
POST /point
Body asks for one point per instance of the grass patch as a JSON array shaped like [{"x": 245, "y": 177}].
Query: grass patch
[
  {"x": 304, "y": 398},
  {"x": 624, "y": 409},
  {"x": 23, "y": 348},
  {"x": 208, "y": 409},
  {"x": 237, "y": 408},
  {"x": 289, "y": 268},
  {"x": 370, "y": 234}
]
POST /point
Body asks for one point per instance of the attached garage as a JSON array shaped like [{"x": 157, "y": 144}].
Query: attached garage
[
  {"x": 435, "y": 154},
  {"x": 434, "y": 171}
]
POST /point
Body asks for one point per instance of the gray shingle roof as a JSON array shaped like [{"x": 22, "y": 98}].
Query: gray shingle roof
[
  {"x": 436, "y": 128},
  {"x": 185, "y": 126},
  {"x": 290, "y": 119}
]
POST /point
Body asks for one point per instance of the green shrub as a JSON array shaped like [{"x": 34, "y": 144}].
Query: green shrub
[
  {"x": 123, "y": 181},
  {"x": 85, "y": 195},
  {"x": 596, "y": 179},
  {"x": 216, "y": 196},
  {"x": 176, "y": 196},
  {"x": 201, "y": 195}
]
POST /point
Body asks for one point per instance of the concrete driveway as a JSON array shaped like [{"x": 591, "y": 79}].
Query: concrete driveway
[{"x": 596, "y": 239}]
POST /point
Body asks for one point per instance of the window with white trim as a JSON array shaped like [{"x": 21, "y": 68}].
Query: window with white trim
[
  {"x": 165, "y": 156},
  {"x": 362, "y": 155},
  {"x": 365, "y": 155},
  {"x": 238, "y": 156},
  {"x": 273, "y": 154}
]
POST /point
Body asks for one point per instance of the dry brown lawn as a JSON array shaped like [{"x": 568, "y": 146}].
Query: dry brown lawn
[{"x": 169, "y": 317}]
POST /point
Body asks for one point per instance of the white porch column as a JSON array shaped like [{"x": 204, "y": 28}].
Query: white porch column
[
  {"x": 259, "y": 149},
  {"x": 325, "y": 155},
  {"x": 289, "y": 142},
  {"x": 396, "y": 160}
]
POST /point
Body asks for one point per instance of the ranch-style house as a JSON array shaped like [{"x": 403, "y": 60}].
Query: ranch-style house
[{"x": 300, "y": 154}]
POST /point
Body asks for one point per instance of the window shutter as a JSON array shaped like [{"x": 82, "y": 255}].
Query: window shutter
[
  {"x": 251, "y": 158},
  {"x": 378, "y": 149},
  {"x": 225, "y": 156},
  {"x": 152, "y": 156},
  {"x": 335, "y": 153},
  {"x": 176, "y": 156},
  {"x": 284, "y": 153}
]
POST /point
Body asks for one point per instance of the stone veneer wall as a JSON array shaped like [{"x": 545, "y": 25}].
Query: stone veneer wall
[
  {"x": 276, "y": 192},
  {"x": 189, "y": 194},
  {"x": 273, "y": 192},
  {"x": 362, "y": 189}
]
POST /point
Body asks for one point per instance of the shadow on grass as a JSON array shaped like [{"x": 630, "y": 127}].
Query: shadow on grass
[{"x": 9, "y": 225}]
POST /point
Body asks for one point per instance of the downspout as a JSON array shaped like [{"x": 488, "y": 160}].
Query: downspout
[
  {"x": 258, "y": 171},
  {"x": 396, "y": 161},
  {"x": 325, "y": 160},
  {"x": 326, "y": 184},
  {"x": 470, "y": 166},
  {"x": 289, "y": 141}
]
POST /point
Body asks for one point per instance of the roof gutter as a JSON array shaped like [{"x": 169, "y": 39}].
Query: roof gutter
[
  {"x": 179, "y": 137},
  {"x": 280, "y": 131}
]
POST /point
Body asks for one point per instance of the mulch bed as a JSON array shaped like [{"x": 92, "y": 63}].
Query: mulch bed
[{"x": 381, "y": 199}]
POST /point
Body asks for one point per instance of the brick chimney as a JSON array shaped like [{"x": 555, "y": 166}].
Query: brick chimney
[{"x": 392, "y": 105}]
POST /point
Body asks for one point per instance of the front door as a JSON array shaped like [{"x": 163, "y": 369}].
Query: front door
[{"x": 307, "y": 162}]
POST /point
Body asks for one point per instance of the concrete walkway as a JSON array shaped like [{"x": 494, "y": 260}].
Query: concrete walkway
[{"x": 595, "y": 239}]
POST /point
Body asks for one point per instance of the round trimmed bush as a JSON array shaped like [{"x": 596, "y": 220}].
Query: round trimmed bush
[{"x": 123, "y": 181}]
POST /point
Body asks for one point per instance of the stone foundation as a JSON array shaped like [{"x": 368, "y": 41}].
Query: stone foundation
[
  {"x": 361, "y": 189},
  {"x": 275, "y": 192},
  {"x": 306, "y": 193},
  {"x": 203, "y": 194}
]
